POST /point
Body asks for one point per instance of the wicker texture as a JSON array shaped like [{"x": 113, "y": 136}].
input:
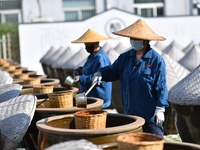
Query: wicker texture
[
  {"x": 90, "y": 36},
  {"x": 74, "y": 145},
  {"x": 139, "y": 30},
  {"x": 61, "y": 99},
  {"x": 140, "y": 141},
  {"x": 9, "y": 91},
  {"x": 43, "y": 89},
  {"x": 90, "y": 119},
  {"x": 5, "y": 78},
  {"x": 15, "y": 118},
  {"x": 187, "y": 91}
]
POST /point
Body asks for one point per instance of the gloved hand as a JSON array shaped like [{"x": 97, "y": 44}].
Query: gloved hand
[
  {"x": 159, "y": 115},
  {"x": 76, "y": 79},
  {"x": 97, "y": 76}
]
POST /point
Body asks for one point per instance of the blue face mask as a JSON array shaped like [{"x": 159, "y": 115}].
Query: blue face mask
[{"x": 137, "y": 44}]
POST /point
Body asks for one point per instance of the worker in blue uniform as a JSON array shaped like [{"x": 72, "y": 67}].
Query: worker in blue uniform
[
  {"x": 95, "y": 61},
  {"x": 142, "y": 75}
]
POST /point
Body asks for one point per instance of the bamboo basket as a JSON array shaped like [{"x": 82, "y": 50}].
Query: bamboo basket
[
  {"x": 43, "y": 89},
  {"x": 17, "y": 71},
  {"x": 140, "y": 141},
  {"x": 90, "y": 119},
  {"x": 32, "y": 81},
  {"x": 22, "y": 76},
  {"x": 61, "y": 99}
]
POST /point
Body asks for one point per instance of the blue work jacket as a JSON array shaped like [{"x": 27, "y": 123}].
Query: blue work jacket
[
  {"x": 143, "y": 83},
  {"x": 95, "y": 62}
]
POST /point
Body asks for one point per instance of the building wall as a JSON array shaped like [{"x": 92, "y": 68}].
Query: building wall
[
  {"x": 177, "y": 7},
  {"x": 37, "y": 39},
  {"x": 50, "y": 10}
]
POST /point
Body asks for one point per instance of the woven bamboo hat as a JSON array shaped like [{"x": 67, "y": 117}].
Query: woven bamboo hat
[
  {"x": 140, "y": 30},
  {"x": 90, "y": 36}
]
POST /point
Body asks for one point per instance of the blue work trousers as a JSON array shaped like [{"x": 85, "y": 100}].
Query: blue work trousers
[{"x": 151, "y": 127}]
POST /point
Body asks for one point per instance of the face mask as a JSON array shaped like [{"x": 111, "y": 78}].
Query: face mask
[
  {"x": 137, "y": 44},
  {"x": 90, "y": 49}
]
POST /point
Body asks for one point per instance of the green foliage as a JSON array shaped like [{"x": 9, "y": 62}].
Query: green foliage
[
  {"x": 13, "y": 31},
  {"x": 8, "y": 28}
]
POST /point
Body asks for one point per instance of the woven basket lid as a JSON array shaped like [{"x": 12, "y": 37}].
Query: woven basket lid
[
  {"x": 90, "y": 36},
  {"x": 174, "y": 71},
  {"x": 15, "y": 118},
  {"x": 192, "y": 58},
  {"x": 75, "y": 145},
  {"x": 47, "y": 55},
  {"x": 187, "y": 91},
  {"x": 140, "y": 30},
  {"x": 9, "y": 91},
  {"x": 5, "y": 78}
]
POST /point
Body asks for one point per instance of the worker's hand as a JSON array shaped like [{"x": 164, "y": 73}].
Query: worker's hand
[
  {"x": 159, "y": 115},
  {"x": 76, "y": 79},
  {"x": 97, "y": 77}
]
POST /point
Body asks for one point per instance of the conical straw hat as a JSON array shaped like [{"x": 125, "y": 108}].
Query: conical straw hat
[
  {"x": 90, "y": 36},
  {"x": 140, "y": 30}
]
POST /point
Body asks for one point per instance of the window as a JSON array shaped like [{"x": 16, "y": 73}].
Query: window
[
  {"x": 75, "y": 10},
  {"x": 10, "y": 11},
  {"x": 148, "y": 8}
]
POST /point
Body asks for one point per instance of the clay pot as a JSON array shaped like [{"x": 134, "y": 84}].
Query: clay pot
[
  {"x": 43, "y": 110},
  {"x": 43, "y": 89},
  {"x": 47, "y": 81},
  {"x": 32, "y": 81},
  {"x": 167, "y": 146},
  {"x": 187, "y": 121},
  {"x": 60, "y": 128}
]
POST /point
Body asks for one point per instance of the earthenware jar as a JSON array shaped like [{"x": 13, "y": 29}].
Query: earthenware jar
[{"x": 185, "y": 101}]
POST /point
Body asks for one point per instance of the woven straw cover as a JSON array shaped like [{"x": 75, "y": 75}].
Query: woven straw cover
[
  {"x": 187, "y": 91},
  {"x": 15, "y": 118},
  {"x": 90, "y": 36},
  {"x": 61, "y": 99},
  {"x": 75, "y": 145},
  {"x": 140, "y": 141},
  {"x": 9, "y": 91},
  {"x": 5, "y": 78},
  {"x": 174, "y": 71},
  {"x": 140, "y": 30},
  {"x": 90, "y": 119}
]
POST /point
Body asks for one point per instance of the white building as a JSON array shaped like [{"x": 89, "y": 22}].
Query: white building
[{"x": 29, "y": 11}]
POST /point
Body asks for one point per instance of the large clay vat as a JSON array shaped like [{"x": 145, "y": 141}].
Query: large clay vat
[
  {"x": 61, "y": 128},
  {"x": 47, "y": 81},
  {"x": 167, "y": 146},
  {"x": 44, "y": 110},
  {"x": 185, "y": 101},
  {"x": 187, "y": 121}
]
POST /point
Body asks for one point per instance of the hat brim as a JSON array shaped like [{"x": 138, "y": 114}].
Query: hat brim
[
  {"x": 90, "y": 36},
  {"x": 139, "y": 30}
]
